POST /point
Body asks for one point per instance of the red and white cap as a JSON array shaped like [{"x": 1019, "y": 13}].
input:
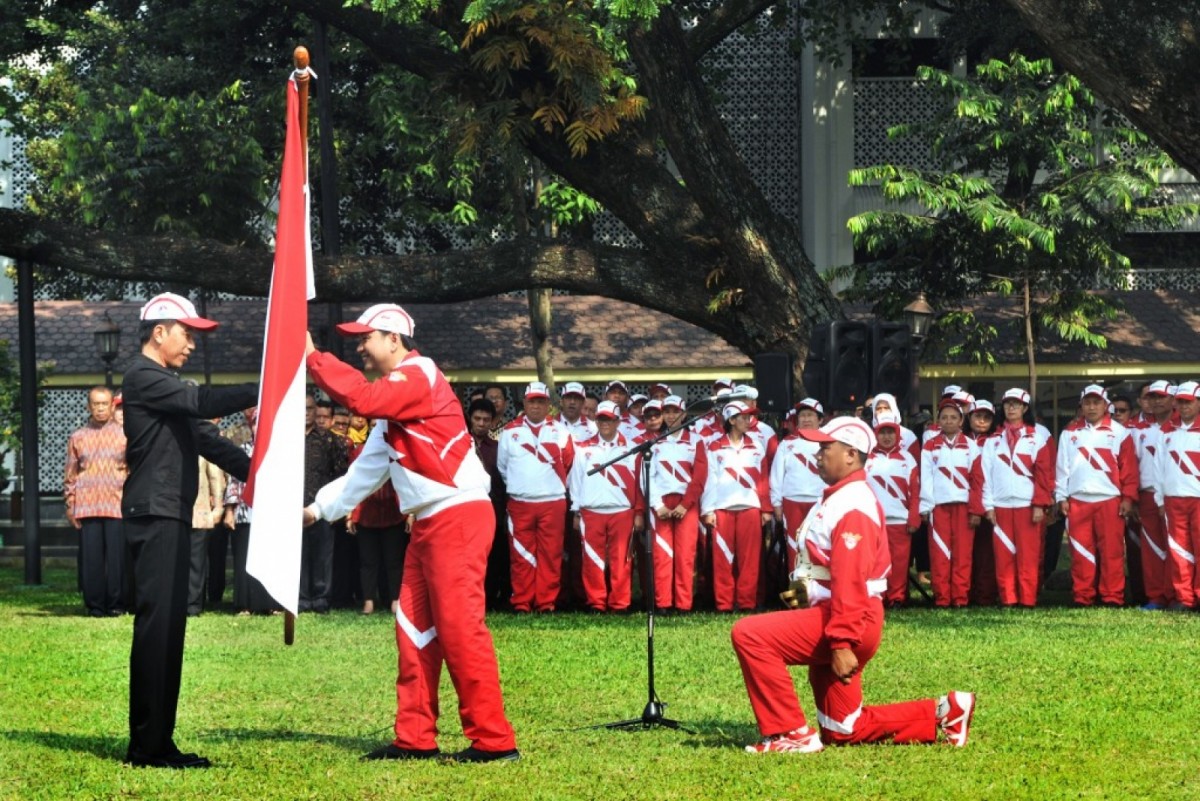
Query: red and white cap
[
  {"x": 660, "y": 385},
  {"x": 847, "y": 430},
  {"x": 572, "y": 388},
  {"x": 655, "y": 405},
  {"x": 169, "y": 306},
  {"x": 616, "y": 383},
  {"x": 1187, "y": 391},
  {"x": 608, "y": 409},
  {"x": 811, "y": 403},
  {"x": 887, "y": 420},
  {"x": 733, "y": 409},
  {"x": 536, "y": 389},
  {"x": 1094, "y": 389},
  {"x": 951, "y": 403},
  {"x": 381, "y": 317},
  {"x": 673, "y": 401},
  {"x": 963, "y": 399},
  {"x": 722, "y": 383},
  {"x": 951, "y": 389},
  {"x": 983, "y": 406},
  {"x": 1017, "y": 394},
  {"x": 1160, "y": 388},
  {"x": 637, "y": 397}
]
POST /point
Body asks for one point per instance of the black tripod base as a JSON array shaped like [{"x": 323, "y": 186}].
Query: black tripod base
[{"x": 652, "y": 715}]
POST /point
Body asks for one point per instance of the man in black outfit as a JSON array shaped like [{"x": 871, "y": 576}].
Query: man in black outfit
[{"x": 166, "y": 428}]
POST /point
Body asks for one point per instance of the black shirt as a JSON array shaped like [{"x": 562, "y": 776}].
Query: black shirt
[{"x": 166, "y": 428}]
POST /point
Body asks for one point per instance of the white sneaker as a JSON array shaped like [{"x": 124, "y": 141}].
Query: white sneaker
[
  {"x": 797, "y": 741},
  {"x": 956, "y": 723}
]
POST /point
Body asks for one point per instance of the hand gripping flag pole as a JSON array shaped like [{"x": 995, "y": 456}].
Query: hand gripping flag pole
[{"x": 275, "y": 487}]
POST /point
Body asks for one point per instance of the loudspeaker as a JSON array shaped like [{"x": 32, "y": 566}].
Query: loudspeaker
[
  {"x": 893, "y": 362},
  {"x": 773, "y": 380},
  {"x": 816, "y": 367},
  {"x": 849, "y": 367}
]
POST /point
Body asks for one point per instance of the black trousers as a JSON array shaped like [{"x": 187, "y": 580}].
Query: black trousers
[
  {"x": 159, "y": 550},
  {"x": 316, "y": 567},
  {"x": 381, "y": 548},
  {"x": 198, "y": 570},
  {"x": 218, "y": 549},
  {"x": 102, "y": 564},
  {"x": 249, "y": 595}
]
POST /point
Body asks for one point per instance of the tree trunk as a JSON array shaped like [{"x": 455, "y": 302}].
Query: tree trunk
[{"x": 1030, "y": 343}]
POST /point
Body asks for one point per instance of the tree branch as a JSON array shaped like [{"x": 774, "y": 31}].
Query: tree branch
[{"x": 726, "y": 18}]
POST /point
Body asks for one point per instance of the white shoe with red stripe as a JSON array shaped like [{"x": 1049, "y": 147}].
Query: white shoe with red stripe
[
  {"x": 956, "y": 723},
  {"x": 797, "y": 741}
]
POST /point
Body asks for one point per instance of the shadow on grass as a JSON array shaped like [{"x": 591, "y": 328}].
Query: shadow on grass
[
  {"x": 351, "y": 742},
  {"x": 102, "y": 746}
]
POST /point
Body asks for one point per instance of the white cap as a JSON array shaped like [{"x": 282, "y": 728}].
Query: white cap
[
  {"x": 811, "y": 403},
  {"x": 637, "y": 397},
  {"x": 951, "y": 389},
  {"x": 169, "y": 306},
  {"x": 1017, "y": 394},
  {"x": 673, "y": 400},
  {"x": 1173, "y": 390},
  {"x": 887, "y": 419},
  {"x": 1187, "y": 391},
  {"x": 572, "y": 388},
  {"x": 616, "y": 382},
  {"x": 1159, "y": 387},
  {"x": 747, "y": 390},
  {"x": 727, "y": 383},
  {"x": 652, "y": 404},
  {"x": 608, "y": 409},
  {"x": 963, "y": 399},
  {"x": 536, "y": 389},
  {"x": 1094, "y": 389},
  {"x": 983, "y": 406},
  {"x": 734, "y": 409},
  {"x": 660, "y": 385},
  {"x": 381, "y": 317},
  {"x": 847, "y": 430}
]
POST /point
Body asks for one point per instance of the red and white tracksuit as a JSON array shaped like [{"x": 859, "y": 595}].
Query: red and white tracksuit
[
  {"x": 895, "y": 478},
  {"x": 737, "y": 491},
  {"x": 581, "y": 429},
  {"x": 606, "y": 503},
  {"x": 630, "y": 427},
  {"x": 844, "y": 538},
  {"x": 1096, "y": 468},
  {"x": 946, "y": 492},
  {"x": 1016, "y": 470},
  {"x": 1151, "y": 527},
  {"x": 534, "y": 460},
  {"x": 1178, "y": 493},
  {"x": 675, "y": 482},
  {"x": 795, "y": 487},
  {"x": 425, "y": 449}
]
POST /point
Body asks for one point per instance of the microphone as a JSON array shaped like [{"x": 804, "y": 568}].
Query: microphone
[{"x": 739, "y": 394}]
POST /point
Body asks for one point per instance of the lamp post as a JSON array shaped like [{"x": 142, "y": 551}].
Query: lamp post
[
  {"x": 918, "y": 316},
  {"x": 108, "y": 341}
]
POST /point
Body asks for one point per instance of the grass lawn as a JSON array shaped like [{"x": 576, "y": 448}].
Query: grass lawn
[{"x": 1073, "y": 703}]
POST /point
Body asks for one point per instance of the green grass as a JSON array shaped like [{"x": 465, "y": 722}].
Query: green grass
[{"x": 1073, "y": 703}]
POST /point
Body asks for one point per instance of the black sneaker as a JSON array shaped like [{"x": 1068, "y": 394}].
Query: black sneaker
[
  {"x": 176, "y": 761},
  {"x": 393, "y": 751},
  {"x": 473, "y": 754}
]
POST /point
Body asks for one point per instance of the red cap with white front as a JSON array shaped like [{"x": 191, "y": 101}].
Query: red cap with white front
[
  {"x": 608, "y": 410},
  {"x": 1017, "y": 394},
  {"x": 846, "y": 430},
  {"x": 887, "y": 420},
  {"x": 1160, "y": 388},
  {"x": 381, "y": 317},
  {"x": 1093, "y": 390},
  {"x": 1187, "y": 391},
  {"x": 536, "y": 389},
  {"x": 169, "y": 306}
]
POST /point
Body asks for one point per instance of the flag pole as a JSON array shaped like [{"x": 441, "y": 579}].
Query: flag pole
[{"x": 300, "y": 60}]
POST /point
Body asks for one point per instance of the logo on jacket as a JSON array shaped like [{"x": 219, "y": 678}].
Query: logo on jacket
[
  {"x": 396, "y": 375},
  {"x": 851, "y": 540}
]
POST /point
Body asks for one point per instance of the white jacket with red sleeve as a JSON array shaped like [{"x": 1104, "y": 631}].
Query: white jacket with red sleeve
[
  {"x": 794, "y": 472},
  {"x": 844, "y": 536},
  {"x": 1147, "y": 438},
  {"x": 946, "y": 470},
  {"x": 736, "y": 475},
  {"x": 534, "y": 459},
  {"x": 613, "y": 489},
  {"x": 1178, "y": 461},
  {"x": 895, "y": 478},
  {"x": 1020, "y": 476},
  {"x": 421, "y": 441},
  {"x": 673, "y": 469},
  {"x": 1096, "y": 463}
]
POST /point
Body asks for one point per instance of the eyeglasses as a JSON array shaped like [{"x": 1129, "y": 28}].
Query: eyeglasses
[{"x": 1122, "y": 410}]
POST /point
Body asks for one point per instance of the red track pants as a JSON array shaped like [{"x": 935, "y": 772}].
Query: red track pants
[
  {"x": 1183, "y": 528},
  {"x": 737, "y": 554},
  {"x": 535, "y": 535},
  {"x": 1018, "y": 544},
  {"x": 1097, "y": 536},
  {"x": 440, "y": 618},
  {"x": 606, "y": 568},
  {"x": 951, "y": 542},
  {"x": 675, "y": 542},
  {"x": 794, "y": 513},
  {"x": 1155, "y": 550},
  {"x": 767, "y": 644},
  {"x": 900, "y": 547}
]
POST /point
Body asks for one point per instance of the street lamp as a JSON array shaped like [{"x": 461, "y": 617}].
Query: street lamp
[
  {"x": 108, "y": 341},
  {"x": 917, "y": 316}
]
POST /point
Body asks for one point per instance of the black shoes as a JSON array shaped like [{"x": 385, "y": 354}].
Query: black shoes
[
  {"x": 393, "y": 751},
  {"x": 175, "y": 761},
  {"x": 473, "y": 754}
]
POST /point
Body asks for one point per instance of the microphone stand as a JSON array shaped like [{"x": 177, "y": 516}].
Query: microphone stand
[{"x": 654, "y": 713}]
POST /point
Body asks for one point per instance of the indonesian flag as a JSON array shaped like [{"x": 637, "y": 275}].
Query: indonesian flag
[{"x": 275, "y": 489}]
